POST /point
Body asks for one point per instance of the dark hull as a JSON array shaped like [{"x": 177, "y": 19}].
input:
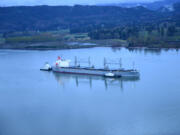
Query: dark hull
[{"x": 97, "y": 72}]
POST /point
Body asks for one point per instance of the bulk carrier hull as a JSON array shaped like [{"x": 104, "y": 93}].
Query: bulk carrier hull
[{"x": 97, "y": 72}]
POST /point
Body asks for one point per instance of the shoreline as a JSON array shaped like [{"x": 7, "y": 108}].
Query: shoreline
[
  {"x": 59, "y": 45},
  {"x": 85, "y": 47},
  {"x": 114, "y": 43}
]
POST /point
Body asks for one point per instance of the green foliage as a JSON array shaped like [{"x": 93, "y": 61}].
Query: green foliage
[
  {"x": 171, "y": 30},
  {"x": 2, "y": 40},
  {"x": 31, "y": 39},
  {"x": 147, "y": 35}
]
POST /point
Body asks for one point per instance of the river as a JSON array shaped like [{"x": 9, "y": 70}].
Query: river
[{"x": 33, "y": 102}]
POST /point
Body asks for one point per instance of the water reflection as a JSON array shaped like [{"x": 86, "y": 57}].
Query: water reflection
[
  {"x": 145, "y": 50},
  {"x": 91, "y": 80}
]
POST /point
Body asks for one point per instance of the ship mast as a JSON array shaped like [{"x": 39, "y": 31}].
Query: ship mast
[
  {"x": 89, "y": 61},
  {"x": 75, "y": 61}
]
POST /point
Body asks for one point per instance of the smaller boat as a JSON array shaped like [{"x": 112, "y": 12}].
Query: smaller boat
[
  {"x": 109, "y": 75},
  {"x": 47, "y": 67}
]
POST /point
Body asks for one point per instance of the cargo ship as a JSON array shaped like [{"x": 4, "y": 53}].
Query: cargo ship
[{"x": 63, "y": 66}]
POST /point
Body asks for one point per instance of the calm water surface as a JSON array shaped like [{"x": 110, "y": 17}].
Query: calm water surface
[{"x": 33, "y": 102}]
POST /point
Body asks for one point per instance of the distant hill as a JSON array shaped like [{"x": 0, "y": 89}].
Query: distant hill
[
  {"x": 161, "y": 4},
  {"x": 150, "y": 5},
  {"x": 77, "y": 18},
  {"x": 176, "y": 14}
]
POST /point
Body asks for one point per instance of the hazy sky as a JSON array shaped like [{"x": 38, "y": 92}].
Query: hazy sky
[{"x": 63, "y": 2}]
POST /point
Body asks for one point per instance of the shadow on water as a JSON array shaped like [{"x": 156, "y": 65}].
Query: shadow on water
[
  {"x": 91, "y": 80},
  {"x": 145, "y": 50}
]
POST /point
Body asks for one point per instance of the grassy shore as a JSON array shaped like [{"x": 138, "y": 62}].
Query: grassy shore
[
  {"x": 54, "y": 40},
  {"x": 63, "y": 39}
]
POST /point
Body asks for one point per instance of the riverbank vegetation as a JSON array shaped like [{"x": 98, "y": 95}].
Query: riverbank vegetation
[{"x": 161, "y": 35}]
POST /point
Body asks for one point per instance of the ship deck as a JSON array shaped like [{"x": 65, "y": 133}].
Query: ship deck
[{"x": 98, "y": 69}]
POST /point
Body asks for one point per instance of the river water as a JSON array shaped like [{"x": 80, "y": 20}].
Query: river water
[{"x": 33, "y": 102}]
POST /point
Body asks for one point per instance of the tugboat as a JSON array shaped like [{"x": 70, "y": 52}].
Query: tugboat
[
  {"x": 63, "y": 66},
  {"x": 46, "y": 67}
]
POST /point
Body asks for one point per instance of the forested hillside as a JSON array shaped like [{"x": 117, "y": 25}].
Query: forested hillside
[{"x": 77, "y": 18}]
